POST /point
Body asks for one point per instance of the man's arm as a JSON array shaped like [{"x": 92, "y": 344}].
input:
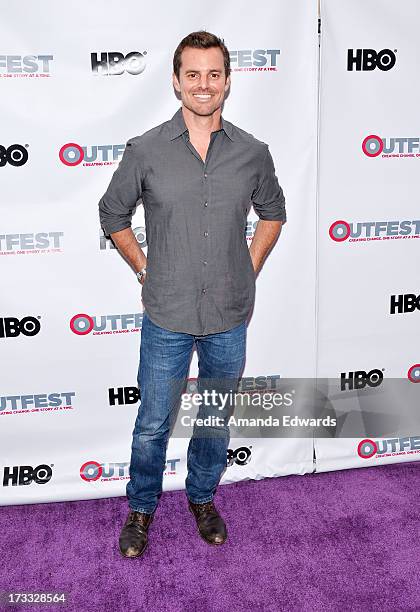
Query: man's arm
[
  {"x": 126, "y": 243},
  {"x": 269, "y": 204},
  {"x": 265, "y": 237},
  {"x": 118, "y": 203}
]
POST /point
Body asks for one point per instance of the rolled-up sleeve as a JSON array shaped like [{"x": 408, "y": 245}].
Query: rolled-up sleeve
[
  {"x": 268, "y": 198},
  {"x": 117, "y": 205}
]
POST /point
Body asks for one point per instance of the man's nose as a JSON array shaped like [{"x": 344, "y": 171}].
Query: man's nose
[{"x": 204, "y": 80}]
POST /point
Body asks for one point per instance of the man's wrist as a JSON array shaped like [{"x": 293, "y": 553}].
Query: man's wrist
[{"x": 141, "y": 274}]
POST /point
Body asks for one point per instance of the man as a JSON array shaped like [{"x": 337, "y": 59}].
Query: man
[{"x": 197, "y": 176}]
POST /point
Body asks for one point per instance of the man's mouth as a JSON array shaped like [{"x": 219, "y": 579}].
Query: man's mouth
[{"x": 202, "y": 96}]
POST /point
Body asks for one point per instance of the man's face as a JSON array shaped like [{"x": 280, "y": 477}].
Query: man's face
[{"x": 202, "y": 82}]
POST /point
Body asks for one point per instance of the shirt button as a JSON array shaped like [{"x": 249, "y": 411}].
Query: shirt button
[
  {"x": 206, "y": 234},
  {"x": 205, "y": 263},
  {"x": 203, "y": 290},
  {"x": 206, "y": 204},
  {"x": 205, "y": 175}
]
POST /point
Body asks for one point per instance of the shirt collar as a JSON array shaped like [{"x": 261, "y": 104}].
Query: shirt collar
[{"x": 177, "y": 126}]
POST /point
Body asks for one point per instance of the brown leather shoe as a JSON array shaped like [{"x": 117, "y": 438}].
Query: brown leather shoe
[
  {"x": 210, "y": 524},
  {"x": 133, "y": 537}
]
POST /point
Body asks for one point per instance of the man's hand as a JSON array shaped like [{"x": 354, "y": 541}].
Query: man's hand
[
  {"x": 126, "y": 243},
  {"x": 143, "y": 278},
  {"x": 265, "y": 237}
]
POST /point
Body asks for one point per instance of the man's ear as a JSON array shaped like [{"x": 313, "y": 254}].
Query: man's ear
[
  {"x": 175, "y": 83},
  {"x": 227, "y": 84}
]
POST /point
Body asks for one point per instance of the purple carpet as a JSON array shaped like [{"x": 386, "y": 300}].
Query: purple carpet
[{"x": 338, "y": 541}]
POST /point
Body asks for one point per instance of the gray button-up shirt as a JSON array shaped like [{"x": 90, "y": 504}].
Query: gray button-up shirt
[{"x": 200, "y": 279}]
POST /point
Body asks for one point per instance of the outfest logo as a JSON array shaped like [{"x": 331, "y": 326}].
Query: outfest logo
[
  {"x": 366, "y": 231},
  {"x": 246, "y": 384},
  {"x": 254, "y": 60},
  {"x": 25, "y": 66},
  {"x": 82, "y": 324},
  {"x": 92, "y": 471},
  {"x": 374, "y": 145},
  {"x": 413, "y": 373},
  {"x": 390, "y": 447},
  {"x": 40, "y": 402},
  {"x": 31, "y": 243},
  {"x": 72, "y": 154},
  {"x": 250, "y": 228}
]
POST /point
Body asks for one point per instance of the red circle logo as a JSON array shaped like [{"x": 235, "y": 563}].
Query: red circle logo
[
  {"x": 372, "y": 146},
  {"x": 414, "y": 373},
  {"x": 367, "y": 448},
  {"x": 71, "y": 154},
  {"x": 81, "y": 324},
  {"x": 91, "y": 464},
  {"x": 339, "y": 231}
]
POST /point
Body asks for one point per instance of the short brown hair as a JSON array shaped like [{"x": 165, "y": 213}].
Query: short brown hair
[{"x": 201, "y": 40}]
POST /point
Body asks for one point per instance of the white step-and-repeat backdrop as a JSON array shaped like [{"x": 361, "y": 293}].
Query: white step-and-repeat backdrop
[
  {"x": 77, "y": 82},
  {"x": 337, "y": 296},
  {"x": 369, "y": 216}
]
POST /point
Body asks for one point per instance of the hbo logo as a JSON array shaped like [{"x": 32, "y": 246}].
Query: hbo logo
[
  {"x": 360, "y": 378},
  {"x": 10, "y": 327},
  {"x": 106, "y": 243},
  {"x": 25, "y": 475},
  {"x": 114, "y": 63},
  {"x": 15, "y": 155},
  {"x": 123, "y": 395},
  {"x": 240, "y": 456},
  {"x": 404, "y": 303},
  {"x": 369, "y": 59}
]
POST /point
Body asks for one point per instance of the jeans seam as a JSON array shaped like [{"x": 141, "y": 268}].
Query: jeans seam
[
  {"x": 143, "y": 510},
  {"x": 203, "y": 501}
]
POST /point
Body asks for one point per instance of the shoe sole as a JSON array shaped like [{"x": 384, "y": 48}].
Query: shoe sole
[{"x": 203, "y": 538}]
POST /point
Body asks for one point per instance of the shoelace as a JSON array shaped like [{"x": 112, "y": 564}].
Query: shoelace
[
  {"x": 133, "y": 519},
  {"x": 207, "y": 507}
]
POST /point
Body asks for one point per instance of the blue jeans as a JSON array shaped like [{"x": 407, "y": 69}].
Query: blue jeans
[{"x": 164, "y": 364}]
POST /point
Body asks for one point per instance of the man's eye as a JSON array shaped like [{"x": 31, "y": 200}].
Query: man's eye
[
  {"x": 215, "y": 75},
  {"x": 192, "y": 75}
]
